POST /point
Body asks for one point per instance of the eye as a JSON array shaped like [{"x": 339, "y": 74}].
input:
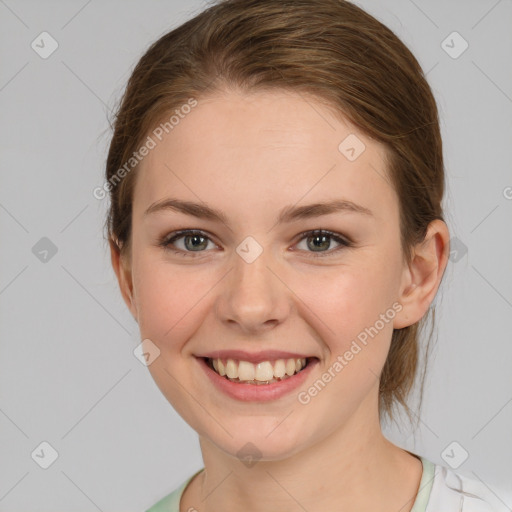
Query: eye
[
  {"x": 193, "y": 241},
  {"x": 319, "y": 241}
]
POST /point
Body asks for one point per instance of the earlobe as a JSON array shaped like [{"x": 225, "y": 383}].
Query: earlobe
[
  {"x": 124, "y": 276},
  {"x": 421, "y": 279}
]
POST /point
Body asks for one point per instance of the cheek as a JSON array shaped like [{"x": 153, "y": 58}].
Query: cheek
[
  {"x": 345, "y": 300},
  {"x": 168, "y": 300},
  {"x": 351, "y": 310}
]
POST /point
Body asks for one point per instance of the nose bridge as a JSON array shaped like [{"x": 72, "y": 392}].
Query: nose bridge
[
  {"x": 252, "y": 273},
  {"x": 254, "y": 296}
]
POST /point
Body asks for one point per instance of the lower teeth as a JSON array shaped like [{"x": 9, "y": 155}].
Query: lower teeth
[{"x": 257, "y": 382}]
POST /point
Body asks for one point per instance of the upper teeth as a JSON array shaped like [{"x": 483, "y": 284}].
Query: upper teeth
[{"x": 264, "y": 371}]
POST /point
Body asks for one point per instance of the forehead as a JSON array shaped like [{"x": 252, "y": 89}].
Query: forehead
[{"x": 261, "y": 151}]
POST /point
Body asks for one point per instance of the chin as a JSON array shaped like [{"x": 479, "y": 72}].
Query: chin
[{"x": 260, "y": 440}]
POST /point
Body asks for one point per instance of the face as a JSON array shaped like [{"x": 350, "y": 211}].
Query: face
[{"x": 272, "y": 279}]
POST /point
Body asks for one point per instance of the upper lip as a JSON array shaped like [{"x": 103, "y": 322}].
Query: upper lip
[{"x": 253, "y": 357}]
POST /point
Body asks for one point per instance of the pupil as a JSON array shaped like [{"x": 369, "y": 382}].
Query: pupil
[
  {"x": 324, "y": 241},
  {"x": 195, "y": 238}
]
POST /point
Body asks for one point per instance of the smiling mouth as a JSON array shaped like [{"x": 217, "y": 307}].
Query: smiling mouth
[{"x": 265, "y": 372}]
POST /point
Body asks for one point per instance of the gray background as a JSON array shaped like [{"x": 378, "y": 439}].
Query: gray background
[{"x": 68, "y": 375}]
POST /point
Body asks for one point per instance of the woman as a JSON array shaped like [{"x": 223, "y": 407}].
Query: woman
[{"x": 276, "y": 177}]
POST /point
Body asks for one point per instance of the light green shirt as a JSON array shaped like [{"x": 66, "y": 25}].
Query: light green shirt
[{"x": 171, "y": 502}]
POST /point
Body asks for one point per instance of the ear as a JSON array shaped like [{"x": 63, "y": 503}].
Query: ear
[
  {"x": 124, "y": 276},
  {"x": 422, "y": 277}
]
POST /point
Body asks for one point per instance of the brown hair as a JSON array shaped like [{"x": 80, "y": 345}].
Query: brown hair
[{"x": 330, "y": 49}]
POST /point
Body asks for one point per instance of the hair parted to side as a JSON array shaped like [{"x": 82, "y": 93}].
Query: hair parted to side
[{"x": 330, "y": 49}]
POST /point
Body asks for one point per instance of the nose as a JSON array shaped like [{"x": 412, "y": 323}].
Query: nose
[{"x": 254, "y": 297}]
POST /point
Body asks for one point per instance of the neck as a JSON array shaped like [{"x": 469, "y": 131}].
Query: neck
[{"x": 352, "y": 468}]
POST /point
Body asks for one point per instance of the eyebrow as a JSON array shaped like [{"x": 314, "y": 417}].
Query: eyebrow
[{"x": 287, "y": 214}]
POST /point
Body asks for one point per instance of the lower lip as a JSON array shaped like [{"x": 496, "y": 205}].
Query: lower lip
[{"x": 257, "y": 392}]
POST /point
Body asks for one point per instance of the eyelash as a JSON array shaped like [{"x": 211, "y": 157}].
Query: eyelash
[{"x": 168, "y": 240}]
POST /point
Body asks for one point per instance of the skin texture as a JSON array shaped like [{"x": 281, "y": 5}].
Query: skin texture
[{"x": 250, "y": 155}]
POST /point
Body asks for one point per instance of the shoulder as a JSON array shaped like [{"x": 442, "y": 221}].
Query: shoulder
[
  {"x": 171, "y": 502},
  {"x": 453, "y": 492}
]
